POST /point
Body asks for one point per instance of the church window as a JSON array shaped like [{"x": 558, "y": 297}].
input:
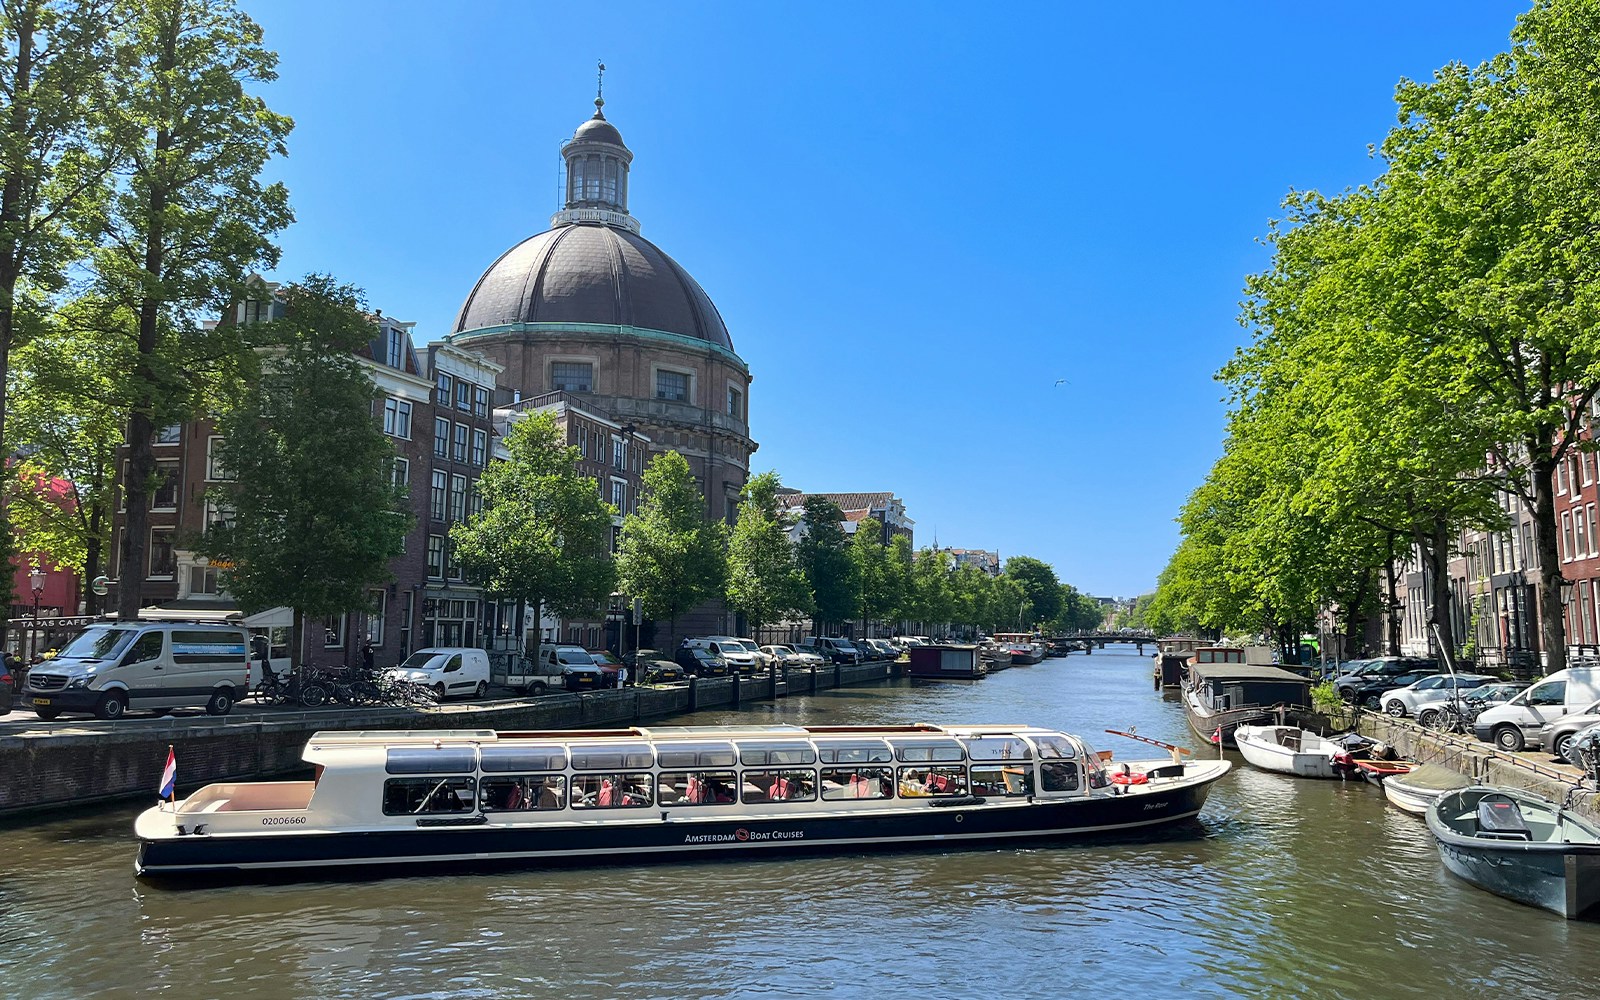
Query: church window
[
  {"x": 576, "y": 181},
  {"x": 609, "y": 189},
  {"x": 672, "y": 385},
  {"x": 735, "y": 403},
  {"x": 572, "y": 376},
  {"x": 591, "y": 180}
]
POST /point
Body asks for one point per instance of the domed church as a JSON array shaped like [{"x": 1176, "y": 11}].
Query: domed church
[{"x": 592, "y": 308}]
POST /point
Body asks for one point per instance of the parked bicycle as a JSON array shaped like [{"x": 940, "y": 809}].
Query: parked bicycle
[{"x": 292, "y": 688}]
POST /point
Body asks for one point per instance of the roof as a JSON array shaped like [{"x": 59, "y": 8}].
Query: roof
[
  {"x": 597, "y": 129},
  {"x": 1244, "y": 672},
  {"x": 848, "y": 502},
  {"x": 592, "y": 273}
]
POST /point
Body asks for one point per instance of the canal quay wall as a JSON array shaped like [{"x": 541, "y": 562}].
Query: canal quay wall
[
  {"x": 64, "y": 765},
  {"x": 1534, "y": 772}
]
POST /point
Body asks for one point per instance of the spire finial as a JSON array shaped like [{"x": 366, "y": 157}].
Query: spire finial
[{"x": 600, "y": 92}]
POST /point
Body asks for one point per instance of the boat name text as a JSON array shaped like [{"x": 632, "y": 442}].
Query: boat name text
[
  {"x": 742, "y": 835},
  {"x": 283, "y": 821}
]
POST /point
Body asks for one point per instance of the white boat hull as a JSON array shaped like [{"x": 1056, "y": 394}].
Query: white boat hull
[{"x": 1312, "y": 758}]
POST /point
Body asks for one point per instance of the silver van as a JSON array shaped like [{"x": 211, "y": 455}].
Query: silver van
[{"x": 111, "y": 668}]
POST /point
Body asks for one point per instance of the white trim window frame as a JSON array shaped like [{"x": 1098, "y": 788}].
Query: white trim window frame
[{"x": 1566, "y": 536}]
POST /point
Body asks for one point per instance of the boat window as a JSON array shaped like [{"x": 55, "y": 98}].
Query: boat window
[
  {"x": 522, "y": 792},
  {"x": 857, "y": 782},
  {"x": 425, "y": 796},
  {"x": 698, "y": 788},
  {"x": 1094, "y": 766},
  {"x": 696, "y": 755},
  {"x": 928, "y": 750},
  {"x": 614, "y": 757},
  {"x": 998, "y": 748},
  {"x": 757, "y": 754},
  {"x": 1002, "y": 779},
  {"x": 1055, "y": 746},
  {"x": 430, "y": 760},
  {"x": 792, "y": 785},
  {"x": 935, "y": 781},
  {"x": 853, "y": 753},
  {"x": 612, "y": 791},
  {"x": 1058, "y": 776},
  {"x": 513, "y": 758}
]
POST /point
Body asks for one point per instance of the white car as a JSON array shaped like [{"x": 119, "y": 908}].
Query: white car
[
  {"x": 788, "y": 656},
  {"x": 450, "y": 671},
  {"x": 1431, "y": 690}
]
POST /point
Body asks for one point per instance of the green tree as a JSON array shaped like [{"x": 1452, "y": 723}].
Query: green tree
[
  {"x": 315, "y": 515},
  {"x": 54, "y": 56},
  {"x": 930, "y": 580},
  {"x": 897, "y": 579},
  {"x": 764, "y": 579},
  {"x": 1039, "y": 584},
  {"x": 543, "y": 536},
  {"x": 192, "y": 220},
  {"x": 69, "y": 409},
  {"x": 824, "y": 556},
  {"x": 670, "y": 556},
  {"x": 870, "y": 559}
]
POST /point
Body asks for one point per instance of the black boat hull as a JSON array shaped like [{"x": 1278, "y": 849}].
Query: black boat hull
[{"x": 667, "y": 835}]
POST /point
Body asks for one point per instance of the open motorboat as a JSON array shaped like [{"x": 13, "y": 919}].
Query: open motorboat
[
  {"x": 1415, "y": 790},
  {"x": 1520, "y": 846},
  {"x": 381, "y": 801},
  {"x": 1292, "y": 750}
]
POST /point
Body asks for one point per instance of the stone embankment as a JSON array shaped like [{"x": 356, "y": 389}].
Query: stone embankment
[
  {"x": 62, "y": 765},
  {"x": 1537, "y": 772}
]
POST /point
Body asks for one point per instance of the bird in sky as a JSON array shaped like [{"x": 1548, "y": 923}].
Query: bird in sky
[{"x": 1062, "y": 381}]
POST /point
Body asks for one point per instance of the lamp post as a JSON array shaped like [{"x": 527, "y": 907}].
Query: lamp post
[{"x": 36, "y": 579}]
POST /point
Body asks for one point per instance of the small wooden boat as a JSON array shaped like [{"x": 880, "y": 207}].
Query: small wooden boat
[
  {"x": 1415, "y": 791},
  {"x": 1292, "y": 750},
  {"x": 1377, "y": 770},
  {"x": 382, "y": 801},
  {"x": 1517, "y": 845}
]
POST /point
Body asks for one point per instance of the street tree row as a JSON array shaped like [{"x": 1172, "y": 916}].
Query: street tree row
[{"x": 1423, "y": 347}]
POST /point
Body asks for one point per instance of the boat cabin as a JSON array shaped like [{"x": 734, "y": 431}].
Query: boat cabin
[
  {"x": 946, "y": 661},
  {"x": 1222, "y": 686}
]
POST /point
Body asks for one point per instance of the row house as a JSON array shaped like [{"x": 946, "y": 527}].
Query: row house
[
  {"x": 986, "y": 561},
  {"x": 1494, "y": 576},
  {"x": 886, "y": 508}
]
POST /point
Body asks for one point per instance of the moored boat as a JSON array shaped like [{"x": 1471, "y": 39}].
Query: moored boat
[
  {"x": 1292, "y": 750},
  {"x": 1221, "y": 695},
  {"x": 386, "y": 800},
  {"x": 946, "y": 661},
  {"x": 1414, "y": 791},
  {"x": 1517, "y": 845}
]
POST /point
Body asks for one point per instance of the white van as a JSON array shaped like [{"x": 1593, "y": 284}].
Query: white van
[
  {"x": 449, "y": 670},
  {"x": 1516, "y": 724},
  {"x": 111, "y": 668}
]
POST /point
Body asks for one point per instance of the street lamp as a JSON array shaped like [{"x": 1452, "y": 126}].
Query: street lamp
[{"x": 36, "y": 579}]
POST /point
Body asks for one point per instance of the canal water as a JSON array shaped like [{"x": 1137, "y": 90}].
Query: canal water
[{"x": 1284, "y": 888}]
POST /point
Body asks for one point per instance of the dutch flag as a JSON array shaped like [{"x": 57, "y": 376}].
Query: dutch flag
[{"x": 169, "y": 775}]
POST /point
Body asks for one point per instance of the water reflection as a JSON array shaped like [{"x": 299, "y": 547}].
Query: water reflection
[{"x": 1284, "y": 888}]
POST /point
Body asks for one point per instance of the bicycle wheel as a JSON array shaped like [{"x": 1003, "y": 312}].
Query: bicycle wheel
[{"x": 313, "y": 695}]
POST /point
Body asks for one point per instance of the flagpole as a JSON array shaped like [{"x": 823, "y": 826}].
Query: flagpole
[{"x": 172, "y": 795}]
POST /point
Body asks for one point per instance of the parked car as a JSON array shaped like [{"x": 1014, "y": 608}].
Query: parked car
[
  {"x": 701, "y": 662},
  {"x": 8, "y": 689},
  {"x": 1520, "y": 722},
  {"x": 449, "y": 670},
  {"x": 1473, "y": 703},
  {"x": 1373, "y": 672},
  {"x": 794, "y": 657},
  {"x": 1570, "y": 742},
  {"x": 1431, "y": 689},
  {"x": 886, "y": 649},
  {"x": 1557, "y": 737},
  {"x": 764, "y": 660},
  {"x": 578, "y": 670},
  {"x": 809, "y": 649},
  {"x": 835, "y": 649},
  {"x": 727, "y": 649},
  {"x": 610, "y": 668},
  {"x": 652, "y": 666},
  {"x": 1369, "y": 691}
]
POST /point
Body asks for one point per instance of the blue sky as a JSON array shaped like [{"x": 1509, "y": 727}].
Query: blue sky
[{"x": 914, "y": 218}]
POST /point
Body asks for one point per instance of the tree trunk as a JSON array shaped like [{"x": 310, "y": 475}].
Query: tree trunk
[
  {"x": 1437, "y": 554},
  {"x": 1391, "y": 612},
  {"x": 297, "y": 644},
  {"x": 91, "y": 562},
  {"x": 1552, "y": 629}
]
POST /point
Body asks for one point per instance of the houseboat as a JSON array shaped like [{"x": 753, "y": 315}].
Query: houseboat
[
  {"x": 1223, "y": 692},
  {"x": 382, "y": 801},
  {"x": 946, "y": 661},
  {"x": 1024, "y": 650},
  {"x": 1172, "y": 660}
]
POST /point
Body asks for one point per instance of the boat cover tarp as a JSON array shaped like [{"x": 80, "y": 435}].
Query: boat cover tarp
[{"x": 1436, "y": 778}]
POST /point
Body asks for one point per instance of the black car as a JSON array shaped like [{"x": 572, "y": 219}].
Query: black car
[
  {"x": 1369, "y": 694},
  {"x": 1379, "y": 672},
  {"x": 652, "y": 666},
  {"x": 701, "y": 662}
]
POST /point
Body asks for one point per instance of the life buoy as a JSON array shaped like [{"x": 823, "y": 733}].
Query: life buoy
[{"x": 1135, "y": 778}]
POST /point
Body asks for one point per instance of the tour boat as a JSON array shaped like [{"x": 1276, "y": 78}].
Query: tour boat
[
  {"x": 1292, "y": 750},
  {"x": 1517, "y": 845},
  {"x": 449, "y": 799}
]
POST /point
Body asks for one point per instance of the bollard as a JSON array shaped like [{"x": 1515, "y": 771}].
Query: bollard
[
  {"x": 838, "y": 675},
  {"x": 738, "y": 682},
  {"x": 811, "y": 688},
  {"x": 694, "y": 693}
]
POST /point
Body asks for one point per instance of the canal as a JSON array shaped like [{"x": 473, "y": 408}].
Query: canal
[{"x": 1284, "y": 889}]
